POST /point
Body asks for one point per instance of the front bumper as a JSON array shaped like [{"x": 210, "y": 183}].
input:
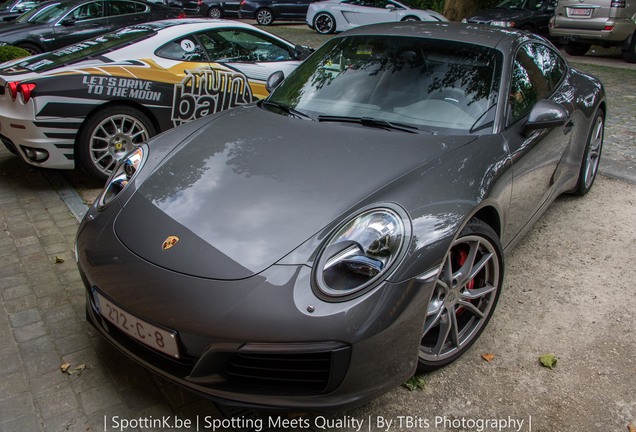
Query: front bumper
[{"x": 265, "y": 341}]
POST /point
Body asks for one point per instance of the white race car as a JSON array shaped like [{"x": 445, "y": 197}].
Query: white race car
[
  {"x": 92, "y": 102},
  {"x": 330, "y": 16}
]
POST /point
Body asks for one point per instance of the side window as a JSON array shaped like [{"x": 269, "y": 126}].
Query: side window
[
  {"x": 122, "y": 8},
  {"x": 87, "y": 11},
  {"x": 183, "y": 49},
  {"x": 140, "y": 8},
  {"x": 238, "y": 45},
  {"x": 529, "y": 83}
]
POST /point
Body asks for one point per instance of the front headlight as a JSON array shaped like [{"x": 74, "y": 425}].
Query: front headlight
[
  {"x": 360, "y": 253},
  {"x": 123, "y": 174}
]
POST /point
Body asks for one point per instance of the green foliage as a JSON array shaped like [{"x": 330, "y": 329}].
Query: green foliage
[
  {"x": 548, "y": 360},
  {"x": 415, "y": 382},
  {"x": 9, "y": 52}
]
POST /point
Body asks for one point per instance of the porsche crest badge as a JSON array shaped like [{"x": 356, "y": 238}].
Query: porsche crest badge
[{"x": 169, "y": 242}]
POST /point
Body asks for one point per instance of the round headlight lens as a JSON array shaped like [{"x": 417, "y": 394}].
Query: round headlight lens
[
  {"x": 122, "y": 175},
  {"x": 359, "y": 253}
]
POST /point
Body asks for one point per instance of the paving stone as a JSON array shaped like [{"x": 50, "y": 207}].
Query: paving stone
[
  {"x": 21, "y": 303},
  {"x": 54, "y": 300},
  {"x": 99, "y": 399},
  {"x": 13, "y": 385},
  {"x": 30, "y": 331},
  {"x": 28, "y": 423},
  {"x": 53, "y": 380},
  {"x": 53, "y": 403},
  {"x": 73, "y": 343},
  {"x": 29, "y": 316},
  {"x": 60, "y": 313},
  {"x": 16, "y": 406},
  {"x": 70, "y": 421},
  {"x": 12, "y": 281},
  {"x": 16, "y": 291}
]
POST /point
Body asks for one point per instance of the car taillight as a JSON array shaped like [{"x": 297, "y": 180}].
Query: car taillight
[
  {"x": 182, "y": 15},
  {"x": 25, "y": 89},
  {"x": 618, "y": 3},
  {"x": 199, "y": 2}
]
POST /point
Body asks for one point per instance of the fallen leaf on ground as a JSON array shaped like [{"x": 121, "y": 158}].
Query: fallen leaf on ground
[
  {"x": 64, "y": 367},
  {"x": 631, "y": 427},
  {"x": 415, "y": 382},
  {"x": 548, "y": 360},
  {"x": 59, "y": 260},
  {"x": 488, "y": 357}
]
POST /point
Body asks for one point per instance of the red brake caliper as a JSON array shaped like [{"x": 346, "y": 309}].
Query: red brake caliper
[{"x": 462, "y": 255}]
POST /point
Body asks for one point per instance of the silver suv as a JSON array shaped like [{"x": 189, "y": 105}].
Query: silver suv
[{"x": 581, "y": 23}]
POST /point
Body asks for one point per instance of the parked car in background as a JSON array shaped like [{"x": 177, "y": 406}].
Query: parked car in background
[
  {"x": 11, "y": 9},
  {"x": 331, "y": 16},
  {"x": 311, "y": 250},
  {"x": 265, "y": 12},
  {"x": 58, "y": 24},
  {"x": 581, "y": 23},
  {"x": 207, "y": 8},
  {"x": 529, "y": 15},
  {"x": 92, "y": 102}
]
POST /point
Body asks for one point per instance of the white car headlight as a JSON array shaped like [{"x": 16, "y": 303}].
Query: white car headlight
[
  {"x": 360, "y": 253},
  {"x": 122, "y": 175}
]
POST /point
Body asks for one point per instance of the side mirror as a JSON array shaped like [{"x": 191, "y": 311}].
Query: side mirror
[
  {"x": 68, "y": 22},
  {"x": 274, "y": 81},
  {"x": 545, "y": 114},
  {"x": 301, "y": 52},
  {"x": 390, "y": 6}
]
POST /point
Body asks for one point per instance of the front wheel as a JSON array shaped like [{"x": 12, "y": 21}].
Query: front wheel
[
  {"x": 264, "y": 17},
  {"x": 324, "y": 23},
  {"x": 591, "y": 155},
  {"x": 30, "y": 48},
  {"x": 629, "y": 55},
  {"x": 464, "y": 297},
  {"x": 108, "y": 135}
]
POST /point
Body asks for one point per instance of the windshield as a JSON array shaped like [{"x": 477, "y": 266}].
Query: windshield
[
  {"x": 44, "y": 14},
  {"x": 521, "y": 4},
  {"x": 432, "y": 85}
]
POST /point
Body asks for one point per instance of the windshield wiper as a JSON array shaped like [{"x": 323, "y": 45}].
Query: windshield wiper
[
  {"x": 371, "y": 122},
  {"x": 287, "y": 109}
]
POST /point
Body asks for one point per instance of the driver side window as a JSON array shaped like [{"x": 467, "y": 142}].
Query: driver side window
[
  {"x": 88, "y": 11},
  {"x": 528, "y": 84}
]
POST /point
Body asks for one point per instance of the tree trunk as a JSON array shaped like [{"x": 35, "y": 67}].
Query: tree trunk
[{"x": 455, "y": 10}]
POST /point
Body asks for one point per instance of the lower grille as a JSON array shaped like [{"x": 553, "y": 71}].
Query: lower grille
[
  {"x": 318, "y": 371},
  {"x": 9, "y": 144}
]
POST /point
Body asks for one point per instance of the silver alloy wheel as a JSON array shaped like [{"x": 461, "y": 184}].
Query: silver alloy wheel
[
  {"x": 466, "y": 291},
  {"x": 215, "y": 13},
  {"x": 113, "y": 138},
  {"x": 264, "y": 17},
  {"x": 324, "y": 23},
  {"x": 593, "y": 155}
]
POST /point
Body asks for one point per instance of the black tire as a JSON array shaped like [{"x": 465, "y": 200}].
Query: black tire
[
  {"x": 108, "y": 135},
  {"x": 629, "y": 55},
  {"x": 264, "y": 16},
  {"x": 576, "y": 48},
  {"x": 411, "y": 18},
  {"x": 215, "y": 12},
  {"x": 31, "y": 48},
  {"x": 591, "y": 155},
  {"x": 465, "y": 296},
  {"x": 324, "y": 23}
]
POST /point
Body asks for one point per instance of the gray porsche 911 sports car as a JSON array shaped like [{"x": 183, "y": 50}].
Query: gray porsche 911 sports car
[{"x": 357, "y": 228}]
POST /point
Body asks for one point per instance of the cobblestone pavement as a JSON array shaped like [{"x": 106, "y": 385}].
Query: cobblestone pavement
[{"x": 42, "y": 323}]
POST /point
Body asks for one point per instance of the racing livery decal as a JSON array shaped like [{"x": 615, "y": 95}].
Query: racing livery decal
[{"x": 206, "y": 91}]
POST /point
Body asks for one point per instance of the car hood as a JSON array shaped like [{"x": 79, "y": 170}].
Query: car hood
[
  {"x": 251, "y": 186},
  {"x": 488, "y": 15},
  {"x": 12, "y": 29}
]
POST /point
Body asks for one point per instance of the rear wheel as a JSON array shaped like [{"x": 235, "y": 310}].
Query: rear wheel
[
  {"x": 464, "y": 297},
  {"x": 629, "y": 55},
  {"x": 32, "y": 49},
  {"x": 592, "y": 155},
  {"x": 215, "y": 12},
  {"x": 576, "y": 48},
  {"x": 411, "y": 18},
  {"x": 324, "y": 23},
  {"x": 108, "y": 135},
  {"x": 264, "y": 17}
]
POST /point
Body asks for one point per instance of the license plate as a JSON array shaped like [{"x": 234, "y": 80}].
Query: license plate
[
  {"x": 579, "y": 12},
  {"x": 148, "y": 334}
]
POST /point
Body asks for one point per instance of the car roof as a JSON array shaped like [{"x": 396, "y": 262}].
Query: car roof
[
  {"x": 182, "y": 25},
  {"x": 477, "y": 34}
]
